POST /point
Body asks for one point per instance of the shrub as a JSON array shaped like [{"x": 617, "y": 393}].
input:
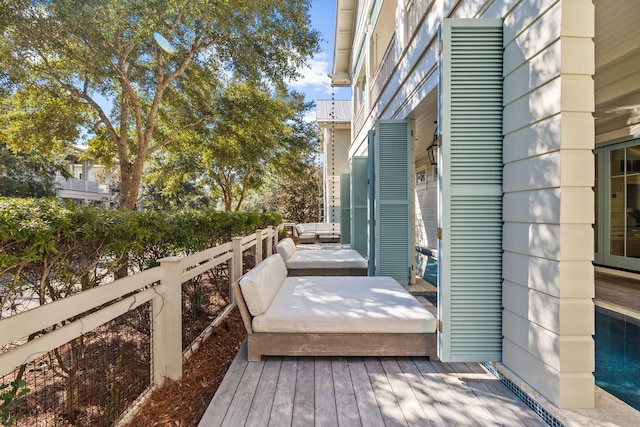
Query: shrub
[{"x": 55, "y": 249}]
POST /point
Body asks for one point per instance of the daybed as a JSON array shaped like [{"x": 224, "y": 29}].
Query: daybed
[
  {"x": 321, "y": 262},
  {"x": 330, "y": 316},
  {"x": 318, "y": 231}
]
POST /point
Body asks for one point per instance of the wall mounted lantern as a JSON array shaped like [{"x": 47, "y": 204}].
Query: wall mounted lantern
[{"x": 432, "y": 150}]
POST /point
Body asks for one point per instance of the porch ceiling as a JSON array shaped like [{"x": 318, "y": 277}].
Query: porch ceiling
[
  {"x": 345, "y": 20},
  {"x": 617, "y": 54},
  {"x": 424, "y": 116}
]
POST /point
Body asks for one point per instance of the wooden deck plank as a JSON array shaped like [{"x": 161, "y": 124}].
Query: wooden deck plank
[
  {"x": 243, "y": 397},
  {"x": 213, "y": 416},
  {"x": 389, "y": 408},
  {"x": 325, "y": 408},
  {"x": 346, "y": 405},
  {"x": 282, "y": 409},
  {"x": 304, "y": 400},
  {"x": 502, "y": 396},
  {"x": 464, "y": 395},
  {"x": 369, "y": 391},
  {"x": 618, "y": 291},
  {"x": 451, "y": 410},
  {"x": 409, "y": 404},
  {"x": 368, "y": 409},
  {"x": 477, "y": 380},
  {"x": 265, "y": 393},
  {"x": 423, "y": 389}
]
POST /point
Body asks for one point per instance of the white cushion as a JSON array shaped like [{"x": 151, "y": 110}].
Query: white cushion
[
  {"x": 315, "y": 304},
  {"x": 327, "y": 227},
  {"x": 326, "y": 258},
  {"x": 261, "y": 284},
  {"x": 286, "y": 248},
  {"x": 300, "y": 228}
]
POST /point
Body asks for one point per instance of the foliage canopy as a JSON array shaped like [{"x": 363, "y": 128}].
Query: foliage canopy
[{"x": 60, "y": 60}]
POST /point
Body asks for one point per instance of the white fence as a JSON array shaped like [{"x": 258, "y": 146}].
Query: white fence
[{"x": 162, "y": 286}]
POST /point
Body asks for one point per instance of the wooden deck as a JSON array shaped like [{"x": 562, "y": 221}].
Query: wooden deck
[
  {"x": 355, "y": 391},
  {"x": 618, "y": 291}
]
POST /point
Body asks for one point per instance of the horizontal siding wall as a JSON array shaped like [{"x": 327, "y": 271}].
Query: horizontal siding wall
[
  {"x": 548, "y": 138},
  {"x": 548, "y": 203}
]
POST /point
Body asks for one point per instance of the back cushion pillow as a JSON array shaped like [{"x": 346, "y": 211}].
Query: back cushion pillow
[
  {"x": 286, "y": 248},
  {"x": 300, "y": 228},
  {"x": 260, "y": 285}
]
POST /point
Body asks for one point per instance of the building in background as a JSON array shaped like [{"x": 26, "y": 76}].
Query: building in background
[
  {"x": 90, "y": 183},
  {"x": 334, "y": 124}
]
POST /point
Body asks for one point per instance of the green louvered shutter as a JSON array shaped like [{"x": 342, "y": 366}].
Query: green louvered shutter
[
  {"x": 470, "y": 256},
  {"x": 393, "y": 198},
  {"x": 371, "y": 249},
  {"x": 345, "y": 208},
  {"x": 359, "y": 230}
]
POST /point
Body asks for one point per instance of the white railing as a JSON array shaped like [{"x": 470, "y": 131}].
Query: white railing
[
  {"x": 82, "y": 185},
  {"x": 416, "y": 10},
  {"x": 161, "y": 286},
  {"x": 385, "y": 69},
  {"x": 358, "y": 120}
]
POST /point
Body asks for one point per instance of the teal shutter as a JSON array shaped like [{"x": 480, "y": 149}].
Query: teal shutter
[
  {"x": 345, "y": 208},
  {"x": 470, "y": 256},
  {"x": 372, "y": 205},
  {"x": 393, "y": 199},
  {"x": 359, "y": 230}
]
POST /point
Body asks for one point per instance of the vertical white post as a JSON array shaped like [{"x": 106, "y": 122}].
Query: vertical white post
[
  {"x": 270, "y": 241},
  {"x": 258, "y": 246},
  {"x": 236, "y": 263},
  {"x": 167, "y": 324}
]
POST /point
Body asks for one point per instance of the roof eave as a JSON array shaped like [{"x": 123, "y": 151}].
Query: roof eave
[{"x": 342, "y": 48}]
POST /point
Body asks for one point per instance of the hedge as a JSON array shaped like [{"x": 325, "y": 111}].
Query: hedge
[{"x": 57, "y": 248}]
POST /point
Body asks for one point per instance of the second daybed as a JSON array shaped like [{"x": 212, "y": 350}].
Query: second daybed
[
  {"x": 321, "y": 262},
  {"x": 324, "y": 232},
  {"x": 330, "y": 316}
]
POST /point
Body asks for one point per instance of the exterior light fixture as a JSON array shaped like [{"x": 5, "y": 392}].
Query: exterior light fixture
[{"x": 432, "y": 150}]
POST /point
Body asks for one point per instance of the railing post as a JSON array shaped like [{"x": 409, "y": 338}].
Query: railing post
[
  {"x": 236, "y": 264},
  {"x": 258, "y": 246},
  {"x": 167, "y": 324},
  {"x": 270, "y": 241}
]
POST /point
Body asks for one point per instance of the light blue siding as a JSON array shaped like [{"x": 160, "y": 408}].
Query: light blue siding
[
  {"x": 371, "y": 249},
  {"x": 359, "y": 227},
  {"x": 345, "y": 208},
  {"x": 393, "y": 200},
  {"x": 470, "y": 256}
]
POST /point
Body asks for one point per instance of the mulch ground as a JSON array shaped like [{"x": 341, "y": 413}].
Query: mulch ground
[{"x": 182, "y": 403}]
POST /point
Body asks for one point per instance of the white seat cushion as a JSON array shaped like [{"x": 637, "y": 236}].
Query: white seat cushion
[
  {"x": 328, "y": 228},
  {"x": 326, "y": 258},
  {"x": 286, "y": 248},
  {"x": 354, "y": 304},
  {"x": 261, "y": 284}
]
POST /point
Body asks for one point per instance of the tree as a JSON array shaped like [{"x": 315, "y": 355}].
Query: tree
[
  {"x": 79, "y": 52},
  {"x": 297, "y": 195},
  {"x": 243, "y": 142},
  {"x": 28, "y": 174},
  {"x": 255, "y": 133}
]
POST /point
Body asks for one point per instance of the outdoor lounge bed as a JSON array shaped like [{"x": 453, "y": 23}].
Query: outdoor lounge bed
[
  {"x": 324, "y": 232},
  {"x": 330, "y": 316},
  {"x": 321, "y": 262}
]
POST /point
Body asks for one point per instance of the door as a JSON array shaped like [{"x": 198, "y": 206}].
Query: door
[{"x": 617, "y": 193}]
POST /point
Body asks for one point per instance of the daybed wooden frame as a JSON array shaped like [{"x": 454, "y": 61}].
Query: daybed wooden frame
[{"x": 313, "y": 344}]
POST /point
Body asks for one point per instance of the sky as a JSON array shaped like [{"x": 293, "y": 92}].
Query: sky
[{"x": 316, "y": 84}]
